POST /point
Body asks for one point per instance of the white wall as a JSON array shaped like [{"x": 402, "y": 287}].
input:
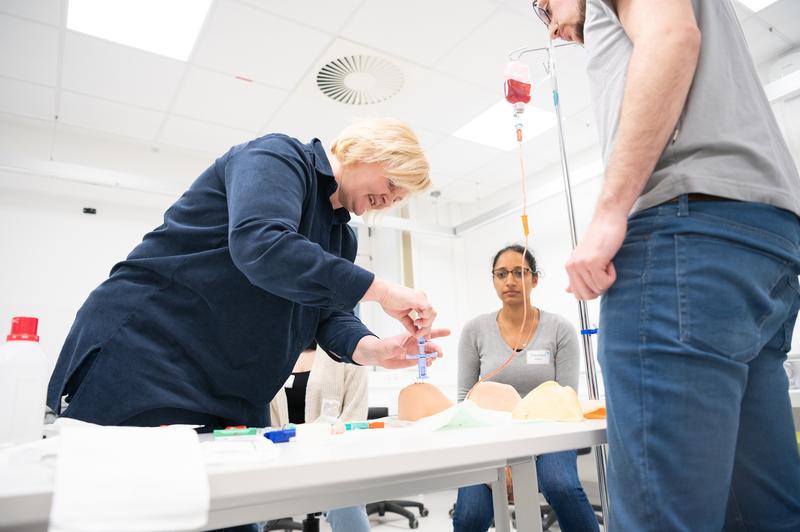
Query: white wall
[{"x": 53, "y": 255}]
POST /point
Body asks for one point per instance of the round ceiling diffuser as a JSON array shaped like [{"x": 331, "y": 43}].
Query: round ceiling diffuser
[{"x": 360, "y": 79}]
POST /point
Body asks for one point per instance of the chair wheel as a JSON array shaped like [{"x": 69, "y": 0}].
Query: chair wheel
[
  {"x": 413, "y": 523},
  {"x": 424, "y": 512}
]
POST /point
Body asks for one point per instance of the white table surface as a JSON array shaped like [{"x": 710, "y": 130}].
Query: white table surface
[
  {"x": 351, "y": 468},
  {"x": 794, "y": 395}
]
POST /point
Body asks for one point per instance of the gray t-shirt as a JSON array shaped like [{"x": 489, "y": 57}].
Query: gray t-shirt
[
  {"x": 727, "y": 142},
  {"x": 552, "y": 354}
]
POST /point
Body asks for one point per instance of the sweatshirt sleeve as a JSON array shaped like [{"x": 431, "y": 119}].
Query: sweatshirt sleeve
[{"x": 267, "y": 186}]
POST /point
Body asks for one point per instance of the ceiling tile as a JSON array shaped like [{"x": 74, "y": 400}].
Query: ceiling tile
[
  {"x": 46, "y": 11},
  {"x": 438, "y": 101},
  {"x": 26, "y": 99},
  {"x": 306, "y": 115},
  {"x": 784, "y": 16},
  {"x": 504, "y": 170},
  {"x": 201, "y": 136},
  {"x": 326, "y": 16},
  {"x": 482, "y": 56},
  {"x": 110, "y": 117},
  {"x": 764, "y": 44},
  {"x": 431, "y": 100},
  {"x": 418, "y": 30},
  {"x": 241, "y": 40},
  {"x": 119, "y": 73},
  {"x": 30, "y": 51},
  {"x": 440, "y": 179},
  {"x": 225, "y": 100},
  {"x": 458, "y": 158},
  {"x": 464, "y": 191}
]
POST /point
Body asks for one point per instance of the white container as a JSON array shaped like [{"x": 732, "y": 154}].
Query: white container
[{"x": 23, "y": 384}]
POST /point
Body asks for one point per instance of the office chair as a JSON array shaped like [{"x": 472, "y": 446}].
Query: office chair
[
  {"x": 396, "y": 507},
  {"x": 310, "y": 524}
]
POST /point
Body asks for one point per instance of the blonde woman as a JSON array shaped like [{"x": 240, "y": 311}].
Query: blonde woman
[
  {"x": 317, "y": 377},
  {"x": 203, "y": 322}
]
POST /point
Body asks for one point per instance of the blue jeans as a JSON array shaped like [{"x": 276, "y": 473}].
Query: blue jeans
[
  {"x": 558, "y": 482},
  {"x": 349, "y": 519},
  {"x": 693, "y": 335}
]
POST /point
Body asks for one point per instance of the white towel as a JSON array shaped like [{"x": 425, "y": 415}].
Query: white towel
[{"x": 129, "y": 479}]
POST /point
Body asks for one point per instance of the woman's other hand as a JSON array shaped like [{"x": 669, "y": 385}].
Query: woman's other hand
[{"x": 408, "y": 306}]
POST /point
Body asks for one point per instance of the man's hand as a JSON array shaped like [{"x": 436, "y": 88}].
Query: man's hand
[
  {"x": 590, "y": 269},
  {"x": 391, "y": 352}
]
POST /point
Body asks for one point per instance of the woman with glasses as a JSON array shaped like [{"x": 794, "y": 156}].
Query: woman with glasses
[{"x": 547, "y": 349}]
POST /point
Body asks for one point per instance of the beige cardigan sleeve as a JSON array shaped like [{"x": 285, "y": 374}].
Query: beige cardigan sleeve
[{"x": 347, "y": 383}]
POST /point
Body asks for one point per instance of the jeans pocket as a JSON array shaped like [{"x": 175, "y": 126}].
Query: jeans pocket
[
  {"x": 723, "y": 294},
  {"x": 793, "y": 304}
]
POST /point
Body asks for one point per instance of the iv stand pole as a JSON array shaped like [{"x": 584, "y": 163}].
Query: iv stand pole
[{"x": 586, "y": 330}]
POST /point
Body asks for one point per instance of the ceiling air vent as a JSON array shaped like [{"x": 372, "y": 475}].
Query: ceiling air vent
[{"x": 360, "y": 79}]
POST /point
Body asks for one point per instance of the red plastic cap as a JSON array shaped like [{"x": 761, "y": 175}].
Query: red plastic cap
[{"x": 23, "y": 328}]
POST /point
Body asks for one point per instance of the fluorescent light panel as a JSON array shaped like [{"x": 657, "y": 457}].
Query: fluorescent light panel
[
  {"x": 495, "y": 126},
  {"x": 757, "y": 5},
  {"x": 164, "y": 27}
]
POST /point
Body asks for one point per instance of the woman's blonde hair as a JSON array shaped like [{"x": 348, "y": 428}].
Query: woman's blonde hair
[{"x": 388, "y": 142}]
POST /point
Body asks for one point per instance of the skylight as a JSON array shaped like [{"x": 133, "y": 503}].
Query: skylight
[
  {"x": 495, "y": 126},
  {"x": 757, "y": 5},
  {"x": 164, "y": 27}
]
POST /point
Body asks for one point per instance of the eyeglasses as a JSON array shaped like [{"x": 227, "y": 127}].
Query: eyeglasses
[
  {"x": 501, "y": 273},
  {"x": 543, "y": 14}
]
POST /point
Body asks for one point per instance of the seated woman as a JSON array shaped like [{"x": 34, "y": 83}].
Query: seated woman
[
  {"x": 316, "y": 377},
  {"x": 546, "y": 350}
]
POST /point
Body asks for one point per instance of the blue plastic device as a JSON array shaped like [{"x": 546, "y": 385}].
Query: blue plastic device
[
  {"x": 280, "y": 435},
  {"x": 422, "y": 358}
]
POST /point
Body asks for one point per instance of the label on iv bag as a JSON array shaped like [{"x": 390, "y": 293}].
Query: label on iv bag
[
  {"x": 289, "y": 382},
  {"x": 538, "y": 356}
]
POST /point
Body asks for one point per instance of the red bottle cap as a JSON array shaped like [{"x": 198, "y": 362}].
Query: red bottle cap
[{"x": 23, "y": 328}]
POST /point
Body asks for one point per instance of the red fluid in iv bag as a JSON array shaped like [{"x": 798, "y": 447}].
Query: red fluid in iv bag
[
  {"x": 517, "y": 91},
  {"x": 518, "y": 82}
]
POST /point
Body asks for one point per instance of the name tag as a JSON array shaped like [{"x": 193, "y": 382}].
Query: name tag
[
  {"x": 289, "y": 382},
  {"x": 538, "y": 356}
]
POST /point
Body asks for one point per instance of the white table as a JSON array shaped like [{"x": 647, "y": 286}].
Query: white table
[
  {"x": 794, "y": 396},
  {"x": 355, "y": 468}
]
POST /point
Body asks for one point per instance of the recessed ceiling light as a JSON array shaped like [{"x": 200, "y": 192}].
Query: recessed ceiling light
[
  {"x": 495, "y": 126},
  {"x": 757, "y": 5},
  {"x": 164, "y": 27}
]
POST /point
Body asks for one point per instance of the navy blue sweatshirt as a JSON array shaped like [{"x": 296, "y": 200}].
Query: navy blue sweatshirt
[{"x": 209, "y": 313}]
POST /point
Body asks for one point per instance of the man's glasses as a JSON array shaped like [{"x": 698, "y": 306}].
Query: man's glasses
[
  {"x": 543, "y": 15},
  {"x": 501, "y": 273}
]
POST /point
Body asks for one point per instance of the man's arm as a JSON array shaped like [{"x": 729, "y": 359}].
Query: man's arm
[{"x": 666, "y": 47}]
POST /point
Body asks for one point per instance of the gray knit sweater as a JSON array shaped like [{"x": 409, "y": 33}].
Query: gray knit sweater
[{"x": 552, "y": 354}]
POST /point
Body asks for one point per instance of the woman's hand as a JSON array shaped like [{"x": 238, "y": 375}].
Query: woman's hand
[
  {"x": 391, "y": 352},
  {"x": 400, "y": 303}
]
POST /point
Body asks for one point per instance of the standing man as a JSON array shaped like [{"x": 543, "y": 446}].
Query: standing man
[{"x": 695, "y": 244}]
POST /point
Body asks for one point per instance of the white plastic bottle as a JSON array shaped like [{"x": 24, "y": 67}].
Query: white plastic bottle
[{"x": 23, "y": 383}]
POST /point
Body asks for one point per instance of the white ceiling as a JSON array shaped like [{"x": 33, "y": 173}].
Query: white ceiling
[{"x": 451, "y": 53}]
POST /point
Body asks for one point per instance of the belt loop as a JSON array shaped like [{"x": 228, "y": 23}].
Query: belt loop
[{"x": 683, "y": 205}]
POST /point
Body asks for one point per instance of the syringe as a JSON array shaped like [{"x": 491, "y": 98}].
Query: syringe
[{"x": 422, "y": 358}]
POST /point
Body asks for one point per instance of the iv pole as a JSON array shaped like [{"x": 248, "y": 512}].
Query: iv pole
[{"x": 586, "y": 330}]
